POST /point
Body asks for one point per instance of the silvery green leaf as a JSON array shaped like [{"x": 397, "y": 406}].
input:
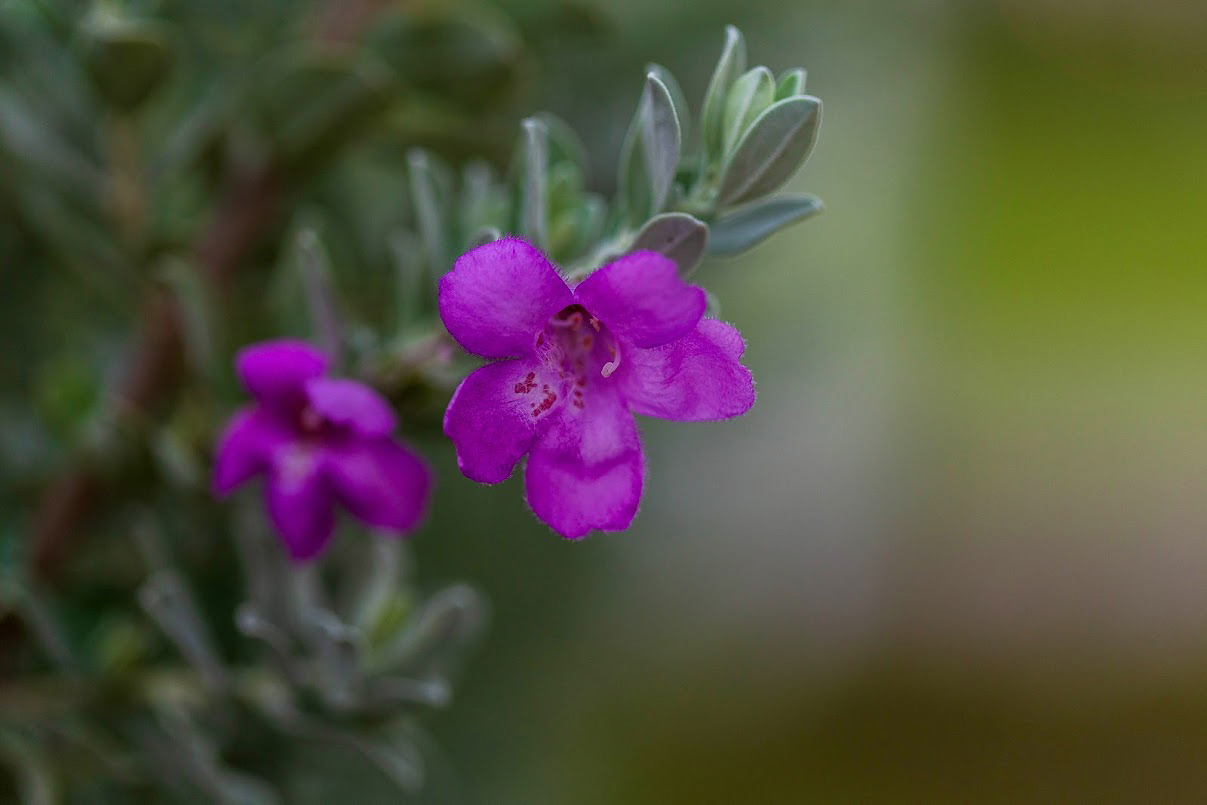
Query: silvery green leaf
[
  {"x": 398, "y": 759},
  {"x": 534, "y": 190},
  {"x": 251, "y": 622},
  {"x": 484, "y": 235},
  {"x": 679, "y": 236},
  {"x": 791, "y": 84},
  {"x": 409, "y": 285},
  {"x": 738, "y": 231},
  {"x": 650, "y": 154},
  {"x": 442, "y": 623},
  {"x": 731, "y": 65},
  {"x": 338, "y": 646},
  {"x": 752, "y": 93},
  {"x": 678, "y": 99},
  {"x": 564, "y": 143},
  {"x": 712, "y": 305},
  {"x": 390, "y": 691},
  {"x": 477, "y": 179},
  {"x": 579, "y": 228},
  {"x": 660, "y": 139},
  {"x": 167, "y": 600},
  {"x": 565, "y": 187},
  {"x": 425, "y": 196},
  {"x": 771, "y": 150},
  {"x": 326, "y": 319}
]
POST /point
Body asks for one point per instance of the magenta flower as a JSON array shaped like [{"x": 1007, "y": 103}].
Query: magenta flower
[
  {"x": 575, "y": 364},
  {"x": 320, "y": 441}
]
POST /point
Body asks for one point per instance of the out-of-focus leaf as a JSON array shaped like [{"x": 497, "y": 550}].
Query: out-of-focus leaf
[
  {"x": 791, "y": 84},
  {"x": 327, "y": 320},
  {"x": 167, "y": 600},
  {"x": 313, "y": 102},
  {"x": 534, "y": 187},
  {"x": 468, "y": 62},
  {"x": 440, "y": 626},
  {"x": 564, "y": 143},
  {"x": 127, "y": 59},
  {"x": 772, "y": 149},
  {"x": 193, "y": 299},
  {"x": 338, "y": 646},
  {"x": 34, "y": 776},
  {"x": 735, "y": 233},
  {"x": 731, "y": 65},
  {"x": 679, "y": 236},
  {"x": 428, "y": 202},
  {"x": 484, "y": 202},
  {"x": 36, "y": 146},
  {"x": 752, "y": 93}
]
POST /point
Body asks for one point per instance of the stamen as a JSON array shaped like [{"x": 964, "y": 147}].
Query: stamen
[{"x": 612, "y": 365}]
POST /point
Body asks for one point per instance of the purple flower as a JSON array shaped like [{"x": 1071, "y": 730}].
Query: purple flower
[
  {"x": 319, "y": 440},
  {"x": 576, "y": 363}
]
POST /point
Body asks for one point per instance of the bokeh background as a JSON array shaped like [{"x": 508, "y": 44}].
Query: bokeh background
[{"x": 958, "y": 550}]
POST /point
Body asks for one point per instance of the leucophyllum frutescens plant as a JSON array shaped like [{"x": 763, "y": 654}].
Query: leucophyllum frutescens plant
[{"x": 583, "y": 310}]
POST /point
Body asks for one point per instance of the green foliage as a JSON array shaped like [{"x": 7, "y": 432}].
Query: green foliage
[{"x": 182, "y": 178}]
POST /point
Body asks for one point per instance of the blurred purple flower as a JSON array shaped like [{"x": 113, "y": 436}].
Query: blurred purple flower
[
  {"x": 320, "y": 441},
  {"x": 576, "y": 364}
]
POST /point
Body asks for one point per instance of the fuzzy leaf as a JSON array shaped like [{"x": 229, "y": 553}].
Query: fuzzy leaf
[
  {"x": 429, "y": 211},
  {"x": 651, "y": 153},
  {"x": 791, "y": 84},
  {"x": 737, "y": 232},
  {"x": 731, "y": 65},
  {"x": 677, "y": 235},
  {"x": 678, "y": 99},
  {"x": 750, "y": 96},
  {"x": 771, "y": 151},
  {"x": 534, "y": 193}
]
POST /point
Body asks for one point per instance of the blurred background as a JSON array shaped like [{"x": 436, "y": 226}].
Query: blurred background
[{"x": 958, "y": 550}]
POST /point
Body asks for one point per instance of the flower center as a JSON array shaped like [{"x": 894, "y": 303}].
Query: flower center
[
  {"x": 310, "y": 421},
  {"x": 580, "y": 349}
]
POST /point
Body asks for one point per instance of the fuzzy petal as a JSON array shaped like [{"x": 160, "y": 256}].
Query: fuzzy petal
[
  {"x": 692, "y": 379},
  {"x": 586, "y": 469},
  {"x": 299, "y": 500},
  {"x": 380, "y": 482},
  {"x": 642, "y": 299},
  {"x": 274, "y": 371},
  {"x": 490, "y": 419},
  {"x": 499, "y": 296},
  {"x": 246, "y": 446},
  {"x": 351, "y": 404}
]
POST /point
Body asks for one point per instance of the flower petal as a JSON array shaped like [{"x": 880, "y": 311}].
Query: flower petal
[
  {"x": 499, "y": 296},
  {"x": 246, "y": 446},
  {"x": 351, "y": 404},
  {"x": 299, "y": 500},
  {"x": 274, "y": 371},
  {"x": 642, "y": 299},
  {"x": 691, "y": 379},
  {"x": 490, "y": 418},
  {"x": 381, "y": 483},
  {"x": 586, "y": 470}
]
